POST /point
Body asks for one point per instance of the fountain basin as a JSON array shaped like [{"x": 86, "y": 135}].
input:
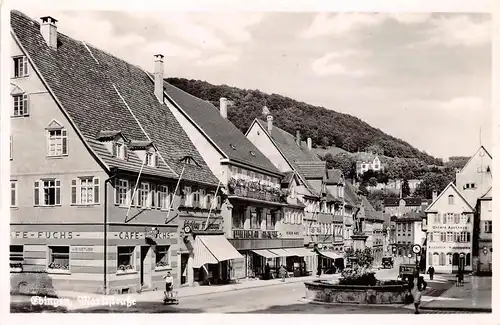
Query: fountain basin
[{"x": 388, "y": 292}]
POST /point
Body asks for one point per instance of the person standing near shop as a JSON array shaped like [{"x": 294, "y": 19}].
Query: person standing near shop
[
  {"x": 169, "y": 284},
  {"x": 267, "y": 271},
  {"x": 283, "y": 273},
  {"x": 431, "y": 271}
]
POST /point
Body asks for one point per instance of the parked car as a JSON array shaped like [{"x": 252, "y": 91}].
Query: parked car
[{"x": 407, "y": 271}]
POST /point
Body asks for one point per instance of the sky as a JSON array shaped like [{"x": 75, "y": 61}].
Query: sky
[{"x": 422, "y": 77}]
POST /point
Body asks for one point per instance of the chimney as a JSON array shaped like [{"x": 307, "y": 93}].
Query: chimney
[
  {"x": 309, "y": 144},
  {"x": 159, "y": 77},
  {"x": 269, "y": 123},
  {"x": 223, "y": 107},
  {"x": 297, "y": 138},
  {"x": 48, "y": 29},
  {"x": 434, "y": 195}
]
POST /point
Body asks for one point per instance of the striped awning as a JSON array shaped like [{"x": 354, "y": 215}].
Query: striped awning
[
  {"x": 330, "y": 255},
  {"x": 264, "y": 253},
  {"x": 281, "y": 252},
  {"x": 301, "y": 251},
  {"x": 212, "y": 250}
]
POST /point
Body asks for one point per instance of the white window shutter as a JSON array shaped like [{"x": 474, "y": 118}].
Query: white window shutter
[
  {"x": 58, "y": 192},
  {"x": 26, "y": 110},
  {"x": 96, "y": 190},
  {"x": 64, "y": 135}
]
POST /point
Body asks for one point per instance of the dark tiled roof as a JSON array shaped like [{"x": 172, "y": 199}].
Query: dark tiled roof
[
  {"x": 411, "y": 215},
  {"x": 134, "y": 144},
  {"x": 95, "y": 88},
  {"x": 410, "y": 201},
  {"x": 222, "y": 132},
  {"x": 334, "y": 176},
  {"x": 350, "y": 195},
  {"x": 312, "y": 169},
  {"x": 107, "y": 135},
  {"x": 293, "y": 152}
]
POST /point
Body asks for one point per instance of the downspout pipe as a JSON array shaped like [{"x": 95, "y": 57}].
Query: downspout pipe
[{"x": 112, "y": 177}]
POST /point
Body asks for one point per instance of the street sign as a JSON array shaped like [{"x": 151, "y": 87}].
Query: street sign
[{"x": 416, "y": 249}]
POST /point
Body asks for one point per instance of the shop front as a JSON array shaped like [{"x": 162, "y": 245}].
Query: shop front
[
  {"x": 76, "y": 258},
  {"x": 330, "y": 260},
  {"x": 205, "y": 255},
  {"x": 445, "y": 257}
]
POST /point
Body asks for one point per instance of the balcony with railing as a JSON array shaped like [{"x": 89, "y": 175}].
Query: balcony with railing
[{"x": 256, "y": 190}]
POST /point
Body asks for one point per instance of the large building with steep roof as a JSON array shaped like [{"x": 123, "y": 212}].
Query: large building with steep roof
[{"x": 102, "y": 173}]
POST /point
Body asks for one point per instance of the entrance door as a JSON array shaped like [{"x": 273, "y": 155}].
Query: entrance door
[
  {"x": 184, "y": 271},
  {"x": 146, "y": 257}
]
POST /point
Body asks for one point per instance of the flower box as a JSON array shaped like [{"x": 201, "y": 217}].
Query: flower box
[
  {"x": 58, "y": 271},
  {"x": 163, "y": 267},
  {"x": 128, "y": 271}
]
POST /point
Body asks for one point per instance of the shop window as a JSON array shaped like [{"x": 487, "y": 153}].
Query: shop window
[
  {"x": 47, "y": 192},
  {"x": 85, "y": 190},
  {"x": 58, "y": 259},
  {"x": 122, "y": 193},
  {"x": 162, "y": 256},
  {"x": 126, "y": 260}
]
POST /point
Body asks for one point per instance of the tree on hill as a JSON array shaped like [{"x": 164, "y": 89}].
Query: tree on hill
[
  {"x": 342, "y": 161},
  {"x": 346, "y": 131},
  {"x": 376, "y": 198},
  {"x": 405, "y": 188},
  {"x": 434, "y": 182}
]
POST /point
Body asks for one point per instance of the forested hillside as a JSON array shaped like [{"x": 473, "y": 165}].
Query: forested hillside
[{"x": 325, "y": 126}]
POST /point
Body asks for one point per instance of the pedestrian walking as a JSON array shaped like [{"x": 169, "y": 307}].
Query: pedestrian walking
[
  {"x": 431, "y": 271},
  {"x": 283, "y": 273},
  {"x": 417, "y": 285},
  {"x": 169, "y": 285},
  {"x": 267, "y": 271}
]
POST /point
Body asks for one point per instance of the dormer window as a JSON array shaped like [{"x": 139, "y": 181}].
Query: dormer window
[
  {"x": 119, "y": 151},
  {"x": 152, "y": 159}
]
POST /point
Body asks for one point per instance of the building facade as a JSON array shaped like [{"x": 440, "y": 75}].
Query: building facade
[
  {"x": 400, "y": 207},
  {"x": 450, "y": 221},
  {"x": 485, "y": 233},
  {"x": 368, "y": 162},
  {"x": 475, "y": 178},
  {"x": 94, "y": 201}
]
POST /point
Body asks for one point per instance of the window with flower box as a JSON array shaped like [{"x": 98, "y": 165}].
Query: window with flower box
[
  {"x": 85, "y": 190},
  {"x": 58, "y": 259},
  {"x": 162, "y": 257},
  {"x": 16, "y": 258},
  {"x": 126, "y": 259}
]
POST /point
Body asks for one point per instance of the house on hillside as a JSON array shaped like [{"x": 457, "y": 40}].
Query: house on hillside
[
  {"x": 450, "y": 220},
  {"x": 290, "y": 154},
  {"x": 366, "y": 161},
  {"x": 100, "y": 170}
]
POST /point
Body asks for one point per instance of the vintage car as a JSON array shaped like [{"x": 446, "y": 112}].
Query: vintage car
[
  {"x": 407, "y": 271},
  {"x": 387, "y": 262}
]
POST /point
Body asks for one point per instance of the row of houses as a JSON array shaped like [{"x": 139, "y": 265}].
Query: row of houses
[
  {"x": 455, "y": 227},
  {"x": 118, "y": 177}
]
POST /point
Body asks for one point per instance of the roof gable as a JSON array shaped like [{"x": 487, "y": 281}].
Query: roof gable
[
  {"x": 488, "y": 195},
  {"x": 479, "y": 151},
  {"x": 441, "y": 196},
  {"x": 88, "y": 82}
]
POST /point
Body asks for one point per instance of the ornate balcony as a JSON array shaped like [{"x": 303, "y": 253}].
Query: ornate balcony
[{"x": 256, "y": 191}]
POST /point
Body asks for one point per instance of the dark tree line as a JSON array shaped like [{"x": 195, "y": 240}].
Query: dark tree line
[{"x": 326, "y": 127}]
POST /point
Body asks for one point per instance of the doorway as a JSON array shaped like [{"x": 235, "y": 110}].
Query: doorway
[
  {"x": 184, "y": 266},
  {"x": 146, "y": 257}
]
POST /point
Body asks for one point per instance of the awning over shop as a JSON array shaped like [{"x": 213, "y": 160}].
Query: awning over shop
[
  {"x": 331, "y": 255},
  {"x": 264, "y": 253},
  {"x": 280, "y": 252},
  {"x": 301, "y": 251},
  {"x": 212, "y": 250}
]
